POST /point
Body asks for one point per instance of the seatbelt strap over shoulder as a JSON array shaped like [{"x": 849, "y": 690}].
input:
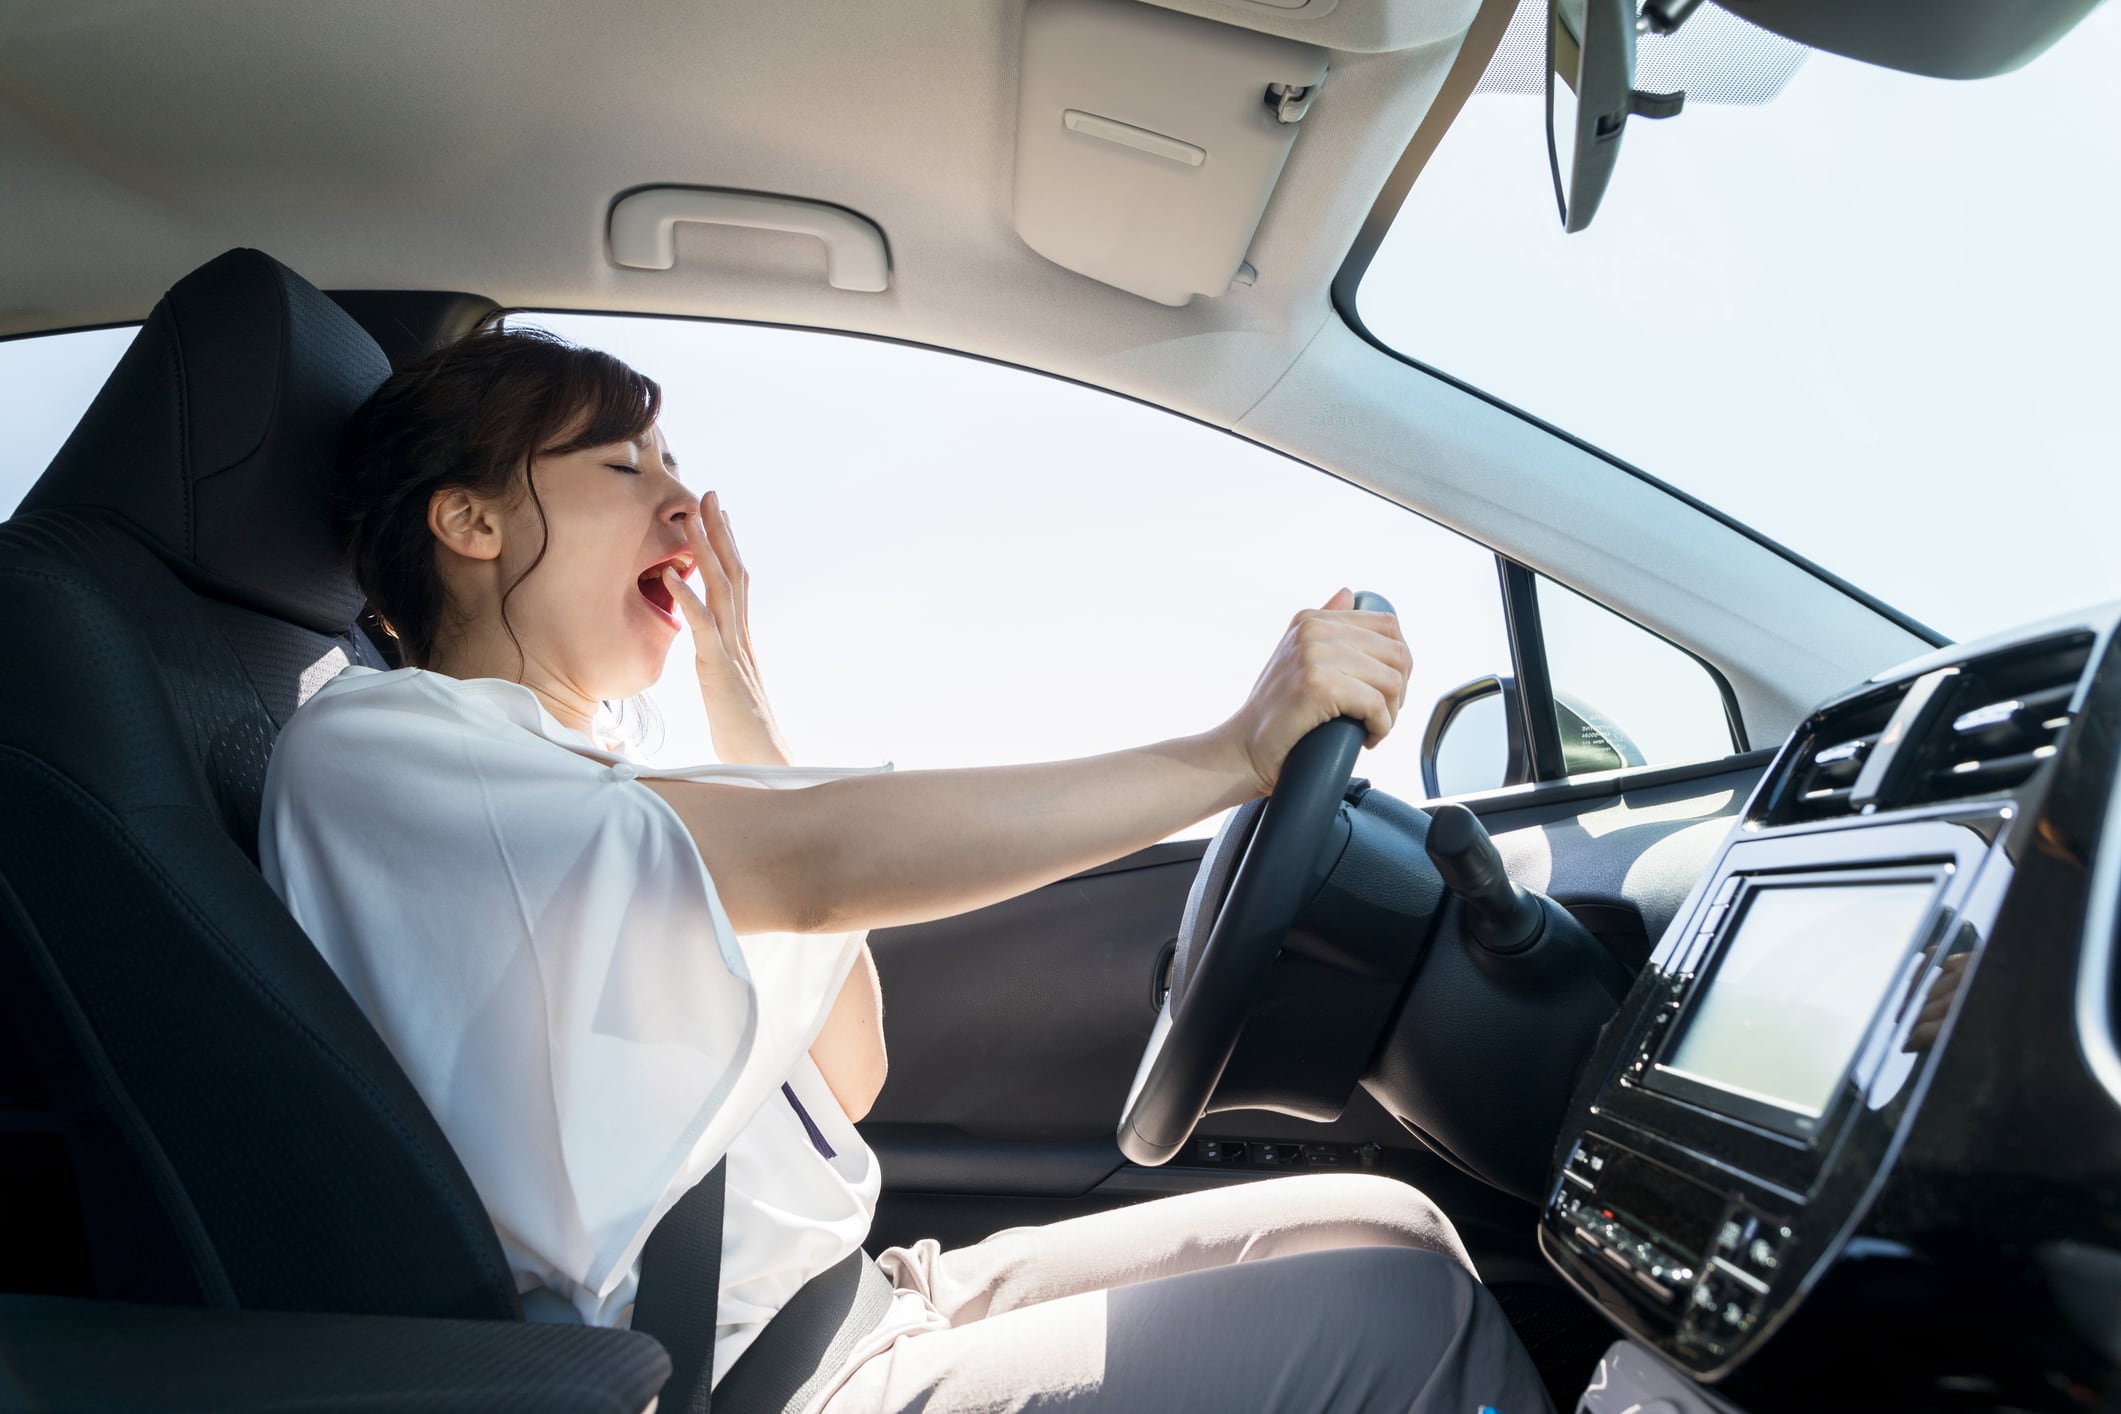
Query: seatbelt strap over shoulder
[{"x": 789, "y": 1360}]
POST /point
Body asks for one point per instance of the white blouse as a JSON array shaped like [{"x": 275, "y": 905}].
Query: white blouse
[{"x": 534, "y": 934}]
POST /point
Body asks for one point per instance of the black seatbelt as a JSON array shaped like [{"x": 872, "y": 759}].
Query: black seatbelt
[
  {"x": 807, "y": 1339},
  {"x": 679, "y": 1291}
]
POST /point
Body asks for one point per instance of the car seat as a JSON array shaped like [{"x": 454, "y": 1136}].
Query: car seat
[{"x": 240, "y": 1139}]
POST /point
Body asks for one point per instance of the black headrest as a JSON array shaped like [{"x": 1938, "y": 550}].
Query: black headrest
[{"x": 215, "y": 437}]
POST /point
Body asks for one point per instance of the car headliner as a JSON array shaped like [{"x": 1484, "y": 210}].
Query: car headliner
[{"x": 479, "y": 144}]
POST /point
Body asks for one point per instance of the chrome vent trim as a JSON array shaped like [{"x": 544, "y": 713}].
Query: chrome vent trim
[
  {"x": 2005, "y": 720},
  {"x": 1831, "y": 752},
  {"x": 1966, "y": 729}
]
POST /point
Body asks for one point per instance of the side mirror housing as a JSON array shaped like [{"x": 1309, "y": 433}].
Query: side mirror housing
[{"x": 1475, "y": 740}]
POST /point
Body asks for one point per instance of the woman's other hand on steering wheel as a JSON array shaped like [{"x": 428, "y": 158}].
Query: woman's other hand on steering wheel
[
  {"x": 1334, "y": 661},
  {"x": 738, "y": 714}
]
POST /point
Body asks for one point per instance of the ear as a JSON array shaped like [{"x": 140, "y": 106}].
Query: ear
[{"x": 464, "y": 523}]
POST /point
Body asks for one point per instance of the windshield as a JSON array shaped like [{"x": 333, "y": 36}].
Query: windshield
[{"x": 1874, "y": 316}]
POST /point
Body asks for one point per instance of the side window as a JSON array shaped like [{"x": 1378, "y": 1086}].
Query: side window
[
  {"x": 958, "y": 563},
  {"x": 1622, "y": 695},
  {"x": 46, "y": 382}
]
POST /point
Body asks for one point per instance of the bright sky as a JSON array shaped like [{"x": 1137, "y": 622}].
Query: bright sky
[{"x": 1878, "y": 318}]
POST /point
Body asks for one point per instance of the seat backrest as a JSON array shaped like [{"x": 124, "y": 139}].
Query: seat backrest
[{"x": 170, "y": 591}]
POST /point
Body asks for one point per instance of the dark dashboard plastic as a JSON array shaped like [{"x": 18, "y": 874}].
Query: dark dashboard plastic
[{"x": 1946, "y": 1235}]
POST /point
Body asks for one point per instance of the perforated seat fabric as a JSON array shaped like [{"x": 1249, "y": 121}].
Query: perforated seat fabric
[{"x": 170, "y": 592}]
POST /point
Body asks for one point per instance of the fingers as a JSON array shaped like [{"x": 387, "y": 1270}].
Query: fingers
[
  {"x": 698, "y": 617},
  {"x": 1355, "y": 662},
  {"x": 1344, "y": 642},
  {"x": 715, "y": 522},
  {"x": 720, "y": 594}
]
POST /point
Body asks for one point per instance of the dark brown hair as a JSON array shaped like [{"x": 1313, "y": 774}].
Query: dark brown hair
[{"x": 472, "y": 414}]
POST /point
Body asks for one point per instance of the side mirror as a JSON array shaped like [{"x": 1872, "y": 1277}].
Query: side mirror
[{"x": 1475, "y": 740}]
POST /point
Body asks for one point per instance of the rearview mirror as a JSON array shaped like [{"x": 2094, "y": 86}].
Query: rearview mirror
[{"x": 1591, "y": 50}]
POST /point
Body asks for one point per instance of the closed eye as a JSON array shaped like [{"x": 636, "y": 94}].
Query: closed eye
[{"x": 624, "y": 466}]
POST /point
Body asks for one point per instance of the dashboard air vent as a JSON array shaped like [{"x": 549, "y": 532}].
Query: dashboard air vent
[
  {"x": 1831, "y": 751},
  {"x": 2004, "y": 717}
]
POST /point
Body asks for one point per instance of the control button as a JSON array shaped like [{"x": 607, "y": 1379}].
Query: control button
[
  {"x": 1705, "y": 1296},
  {"x": 1761, "y": 1255},
  {"x": 1322, "y": 1155},
  {"x": 1369, "y": 1154},
  {"x": 1222, "y": 1151},
  {"x": 1731, "y": 1236}
]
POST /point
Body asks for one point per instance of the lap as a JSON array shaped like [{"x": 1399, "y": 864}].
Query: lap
[
  {"x": 1348, "y": 1330},
  {"x": 1243, "y": 1222}
]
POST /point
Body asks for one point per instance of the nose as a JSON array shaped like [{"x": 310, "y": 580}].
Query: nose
[{"x": 677, "y": 502}]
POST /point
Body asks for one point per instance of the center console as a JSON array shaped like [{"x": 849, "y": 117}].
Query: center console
[
  {"x": 1760, "y": 1079},
  {"x": 1745, "y": 1104}
]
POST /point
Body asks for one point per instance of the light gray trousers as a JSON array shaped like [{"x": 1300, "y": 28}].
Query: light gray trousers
[{"x": 1340, "y": 1292}]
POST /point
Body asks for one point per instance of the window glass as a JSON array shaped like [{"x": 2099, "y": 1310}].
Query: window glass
[
  {"x": 958, "y": 563},
  {"x": 1622, "y": 695},
  {"x": 1872, "y": 314},
  {"x": 46, "y": 382}
]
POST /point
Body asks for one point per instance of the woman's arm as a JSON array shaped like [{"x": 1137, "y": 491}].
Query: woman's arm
[
  {"x": 905, "y": 847},
  {"x": 849, "y": 1051},
  {"x": 900, "y": 847}
]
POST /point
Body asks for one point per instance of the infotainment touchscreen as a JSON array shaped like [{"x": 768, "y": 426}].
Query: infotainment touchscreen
[{"x": 1794, "y": 989}]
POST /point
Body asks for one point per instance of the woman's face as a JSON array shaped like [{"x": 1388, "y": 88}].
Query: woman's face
[{"x": 594, "y": 618}]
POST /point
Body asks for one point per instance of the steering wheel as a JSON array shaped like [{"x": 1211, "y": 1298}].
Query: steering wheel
[{"x": 1257, "y": 875}]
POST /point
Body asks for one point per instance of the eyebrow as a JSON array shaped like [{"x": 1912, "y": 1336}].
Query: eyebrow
[{"x": 668, "y": 460}]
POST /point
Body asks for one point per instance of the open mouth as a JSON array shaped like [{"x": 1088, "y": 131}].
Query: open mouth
[{"x": 656, "y": 592}]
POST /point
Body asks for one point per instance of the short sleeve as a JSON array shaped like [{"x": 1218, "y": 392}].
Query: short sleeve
[{"x": 537, "y": 939}]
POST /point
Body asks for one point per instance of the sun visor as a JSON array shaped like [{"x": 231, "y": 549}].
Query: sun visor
[{"x": 1148, "y": 141}]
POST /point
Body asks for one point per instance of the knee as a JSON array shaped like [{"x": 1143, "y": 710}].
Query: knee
[{"x": 1395, "y": 1214}]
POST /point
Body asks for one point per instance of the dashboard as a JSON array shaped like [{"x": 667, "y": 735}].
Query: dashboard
[{"x": 1853, "y": 1139}]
